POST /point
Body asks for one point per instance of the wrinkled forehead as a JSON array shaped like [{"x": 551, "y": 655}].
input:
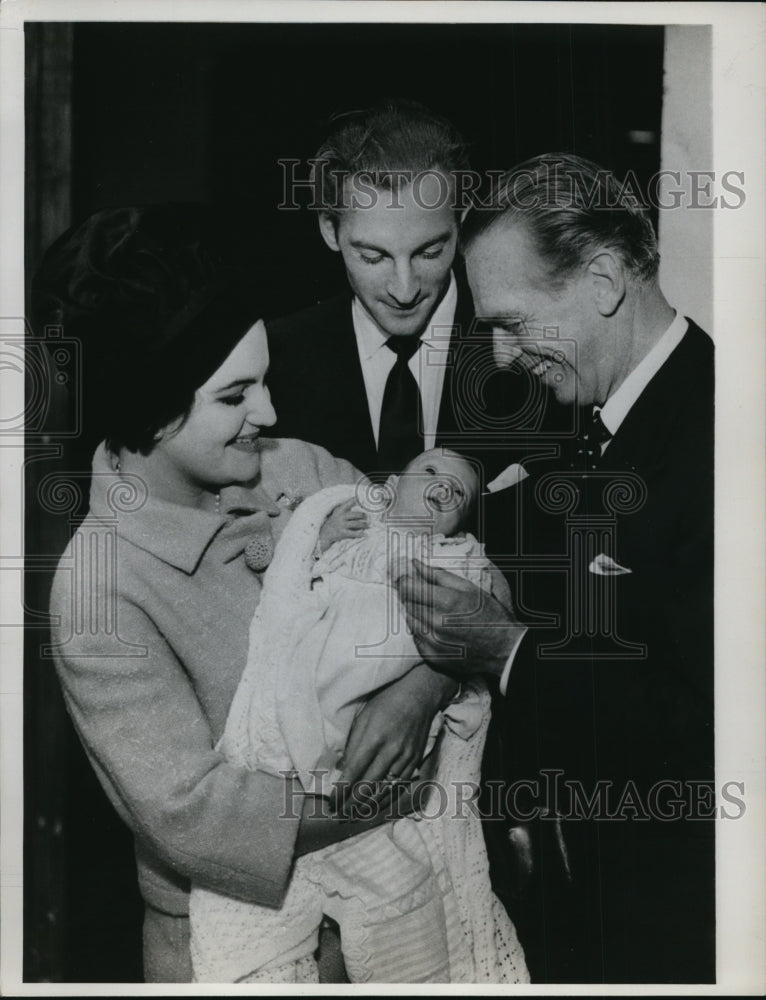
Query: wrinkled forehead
[{"x": 503, "y": 263}]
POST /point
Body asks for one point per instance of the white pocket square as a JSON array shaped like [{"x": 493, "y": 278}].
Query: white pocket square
[
  {"x": 508, "y": 477},
  {"x": 604, "y": 565}
]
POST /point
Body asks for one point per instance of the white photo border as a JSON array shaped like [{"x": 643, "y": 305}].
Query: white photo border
[{"x": 739, "y": 79}]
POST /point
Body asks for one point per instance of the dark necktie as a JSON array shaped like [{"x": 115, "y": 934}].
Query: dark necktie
[
  {"x": 593, "y": 434},
  {"x": 400, "y": 435}
]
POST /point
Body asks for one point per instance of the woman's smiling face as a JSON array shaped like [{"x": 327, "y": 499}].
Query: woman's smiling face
[{"x": 217, "y": 445}]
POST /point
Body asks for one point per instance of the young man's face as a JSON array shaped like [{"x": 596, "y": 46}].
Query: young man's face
[{"x": 398, "y": 253}]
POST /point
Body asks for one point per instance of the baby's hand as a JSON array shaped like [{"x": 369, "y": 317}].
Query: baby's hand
[{"x": 342, "y": 522}]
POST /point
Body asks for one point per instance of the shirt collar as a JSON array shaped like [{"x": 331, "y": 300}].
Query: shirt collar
[
  {"x": 436, "y": 334},
  {"x": 619, "y": 404},
  {"x": 175, "y": 534}
]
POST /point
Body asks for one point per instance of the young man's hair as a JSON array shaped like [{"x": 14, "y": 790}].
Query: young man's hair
[
  {"x": 570, "y": 207},
  {"x": 388, "y": 145}
]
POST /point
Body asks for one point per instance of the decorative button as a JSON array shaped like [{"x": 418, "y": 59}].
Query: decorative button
[{"x": 259, "y": 552}]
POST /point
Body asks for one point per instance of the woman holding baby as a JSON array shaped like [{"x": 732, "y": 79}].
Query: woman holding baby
[{"x": 194, "y": 499}]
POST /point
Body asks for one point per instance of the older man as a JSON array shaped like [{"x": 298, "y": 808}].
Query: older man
[{"x": 605, "y": 674}]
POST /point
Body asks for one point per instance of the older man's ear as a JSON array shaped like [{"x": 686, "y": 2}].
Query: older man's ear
[
  {"x": 607, "y": 275},
  {"x": 328, "y": 229}
]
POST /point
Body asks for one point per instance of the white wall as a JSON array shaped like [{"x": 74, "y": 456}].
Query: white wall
[{"x": 686, "y": 233}]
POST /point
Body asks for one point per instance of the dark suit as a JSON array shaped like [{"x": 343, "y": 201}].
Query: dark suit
[
  {"x": 318, "y": 390},
  {"x": 625, "y": 699}
]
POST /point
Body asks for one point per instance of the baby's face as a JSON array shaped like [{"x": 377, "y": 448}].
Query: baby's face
[{"x": 436, "y": 488}]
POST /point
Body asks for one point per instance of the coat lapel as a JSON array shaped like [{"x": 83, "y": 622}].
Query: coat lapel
[
  {"x": 640, "y": 442},
  {"x": 447, "y": 424},
  {"x": 343, "y": 393}
]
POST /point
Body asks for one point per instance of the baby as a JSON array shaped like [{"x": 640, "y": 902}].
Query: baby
[{"x": 412, "y": 898}]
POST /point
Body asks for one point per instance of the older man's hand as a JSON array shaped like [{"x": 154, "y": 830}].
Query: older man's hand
[{"x": 458, "y": 628}]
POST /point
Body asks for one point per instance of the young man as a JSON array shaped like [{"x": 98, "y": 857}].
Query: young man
[
  {"x": 380, "y": 373},
  {"x": 377, "y": 374},
  {"x": 608, "y": 717}
]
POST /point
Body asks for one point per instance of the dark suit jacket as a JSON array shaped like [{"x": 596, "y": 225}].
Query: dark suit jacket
[
  {"x": 614, "y": 683},
  {"x": 318, "y": 391}
]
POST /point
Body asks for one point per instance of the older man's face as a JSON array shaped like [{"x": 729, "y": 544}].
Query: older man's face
[
  {"x": 398, "y": 253},
  {"x": 556, "y": 333}
]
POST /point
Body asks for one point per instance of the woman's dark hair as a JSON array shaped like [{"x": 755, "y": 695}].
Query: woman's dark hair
[{"x": 156, "y": 310}]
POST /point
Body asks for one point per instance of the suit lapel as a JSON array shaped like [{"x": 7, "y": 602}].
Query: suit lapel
[
  {"x": 447, "y": 424},
  {"x": 344, "y": 384},
  {"x": 639, "y": 443}
]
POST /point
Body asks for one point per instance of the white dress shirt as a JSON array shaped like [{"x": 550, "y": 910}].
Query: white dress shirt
[
  {"x": 616, "y": 409},
  {"x": 428, "y": 364}
]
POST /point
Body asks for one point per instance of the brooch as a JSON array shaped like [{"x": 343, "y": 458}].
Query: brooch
[{"x": 289, "y": 502}]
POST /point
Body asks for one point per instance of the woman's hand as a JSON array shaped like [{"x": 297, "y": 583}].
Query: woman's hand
[
  {"x": 342, "y": 522},
  {"x": 387, "y": 739},
  {"x": 324, "y": 823},
  {"x": 389, "y": 735}
]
